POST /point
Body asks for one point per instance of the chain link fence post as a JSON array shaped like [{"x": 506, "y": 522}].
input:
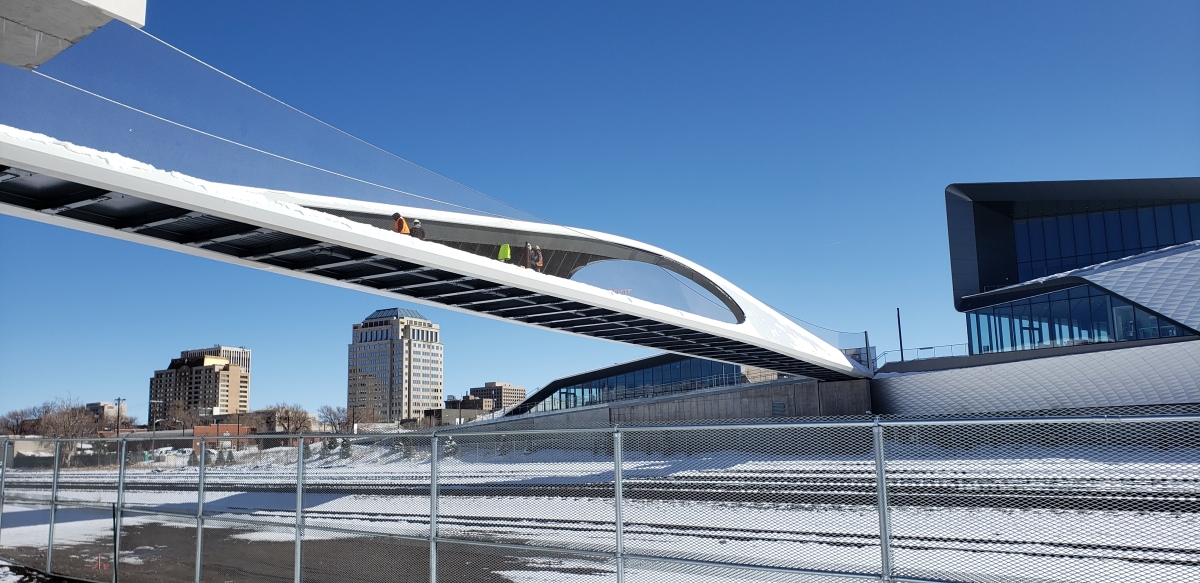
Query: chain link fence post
[
  {"x": 200, "y": 509},
  {"x": 619, "y": 502},
  {"x": 3, "y": 477},
  {"x": 117, "y": 510},
  {"x": 299, "y": 508},
  {"x": 885, "y": 535},
  {"x": 53, "y": 504},
  {"x": 433, "y": 507}
]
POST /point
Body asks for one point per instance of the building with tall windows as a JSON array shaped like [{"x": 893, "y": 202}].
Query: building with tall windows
[
  {"x": 644, "y": 378},
  {"x": 1076, "y": 295},
  {"x": 1051, "y": 264},
  {"x": 202, "y": 382},
  {"x": 395, "y": 365}
]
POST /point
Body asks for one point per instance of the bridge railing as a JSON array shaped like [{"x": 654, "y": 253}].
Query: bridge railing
[{"x": 1085, "y": 499}]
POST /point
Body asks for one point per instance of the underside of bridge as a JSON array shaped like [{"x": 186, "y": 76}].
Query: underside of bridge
[{"x": 70, "y": 203}]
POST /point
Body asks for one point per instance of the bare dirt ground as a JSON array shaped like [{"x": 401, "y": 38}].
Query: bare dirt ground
[{"x": 164, "y": 553}]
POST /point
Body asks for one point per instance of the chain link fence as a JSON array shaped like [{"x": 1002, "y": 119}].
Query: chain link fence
[{"x": 952, "y": 500}]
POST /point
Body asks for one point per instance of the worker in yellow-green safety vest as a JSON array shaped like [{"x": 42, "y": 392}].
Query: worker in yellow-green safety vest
[{"x": 505, "y": 253}]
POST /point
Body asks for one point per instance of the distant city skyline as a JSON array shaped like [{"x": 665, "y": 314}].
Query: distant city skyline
[{"x": 799, "y": 150}]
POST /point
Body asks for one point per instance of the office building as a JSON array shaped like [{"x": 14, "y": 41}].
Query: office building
[
  {"x": 395, "y": 365},
  {"x": 204, "y": 385},
  {"x": 502, "y": 395},
  {"x": 105, "y": 411}
]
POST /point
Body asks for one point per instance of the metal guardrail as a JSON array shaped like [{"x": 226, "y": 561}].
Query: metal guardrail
[
  {"x": 924, "y": 353},
  {"x": 1085, "y": 499}
]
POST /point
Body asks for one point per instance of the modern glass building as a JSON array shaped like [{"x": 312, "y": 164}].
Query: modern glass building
[
  {"x": 1082, "y": 314},
  {"x": 648, "y": 377},
  {"x": 1034, "y": 264}
]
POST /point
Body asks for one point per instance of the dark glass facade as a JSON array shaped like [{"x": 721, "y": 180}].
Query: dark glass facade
[
  {"x": 681, "y": 375},
  {"x": 1079, "y": 315},
  {"x": 1050, "y": 245}
]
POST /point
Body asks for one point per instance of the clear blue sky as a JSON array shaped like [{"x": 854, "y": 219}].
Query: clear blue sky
[{"x": 800, "y": 150}]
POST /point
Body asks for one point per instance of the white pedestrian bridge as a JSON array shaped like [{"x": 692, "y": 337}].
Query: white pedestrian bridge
[{"x": 351, "y": 244}]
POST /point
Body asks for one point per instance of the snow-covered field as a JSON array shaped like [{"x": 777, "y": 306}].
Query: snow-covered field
[{"x": 997, "y": 514}]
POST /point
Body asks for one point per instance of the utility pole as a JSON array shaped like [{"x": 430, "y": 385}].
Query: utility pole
[
  {"x": 900, "y": 332},
  {"x": 119, "y": 401}
]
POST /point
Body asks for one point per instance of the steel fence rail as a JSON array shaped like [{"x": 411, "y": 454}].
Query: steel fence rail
[{"x": 940, "y": 500}]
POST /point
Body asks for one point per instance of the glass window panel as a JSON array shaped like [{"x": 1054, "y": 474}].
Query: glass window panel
[
  {"x": 696, "y": 371},
  {"x": 973, "y": 332},
  {"x": 1147, "y": 324},
  {"x": 1058, "y": 295},
  {"x": 1022, "y": 337},
  {"x": 1060, "y": 312},
  {"x": 1039, "y": 269},
  {"x": 1004, "y": 334},
  {"x": 1145, "y": 217},
  {"x": 1021, "y": 233},
  {"x": 706, "y": 368},
  {"x": 1066, "y": 236},
  {"x": 658, "y": 375},
  {"x": 1037, "y": 245},
  {"x": 1165, "y": 225},
  {"x": 1129, "y": 231},
  {"x": 1124, "y": 325},
  {"x": 1081, "y": 319},
  {"x": 1101, "y": 314},
  {"x": 1168, "y": 330},
  {"x": 1083, "y": 240},
  {"x": 1050, "y": 231},
  {"x": 676, "y": 373},
  {"x": 1113, "y": 231},
  {"x": 637, "y": 378},
  {"x": 986, "y": 338},
  {"x": 1078, "y": 292},
  {"x": 1068, "y": 263},
  {"x": 1040, "y": 324},
  {"x": 1194, "y": 211},
  {"x": 1098, "y": 232},
  {"x": 1183, "y": 224},
  {"x": 1024, "y": 272},
  {"x": 1053, "y": 266}
]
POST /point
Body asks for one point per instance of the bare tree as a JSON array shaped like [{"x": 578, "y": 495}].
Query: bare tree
[
  {"x": 290, "y": 418},
  {"x": 67, "y": 418},
  {"x": 180, "y": 416},
  {"x": 334, "y": 417},
  {"x": 23, "y": 421},
  {"x": 355, "y": 415}
]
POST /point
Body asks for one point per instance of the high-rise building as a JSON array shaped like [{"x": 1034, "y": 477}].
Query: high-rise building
[
  {"x": 236, "y": 355},
  {"x": 395, "y": 365},
  {"x": 502, "y": 394},
  {"x": 204, "y": 384}
]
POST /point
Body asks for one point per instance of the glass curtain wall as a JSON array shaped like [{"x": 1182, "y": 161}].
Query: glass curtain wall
[
  {"x": 1079, "y": 315},
  {"x": 684, "y": 375},
  {"x": 1050, "y": 245}
]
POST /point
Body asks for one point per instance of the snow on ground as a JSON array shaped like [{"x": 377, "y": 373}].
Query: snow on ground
[{"x": 1028, "y": 544}]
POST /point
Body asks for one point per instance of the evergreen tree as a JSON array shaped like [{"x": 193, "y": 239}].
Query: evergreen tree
[
  {"x": 345, "y": 451},
  {"x": 307, "y": 449},
  {"x": 194, "y": 459}
]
